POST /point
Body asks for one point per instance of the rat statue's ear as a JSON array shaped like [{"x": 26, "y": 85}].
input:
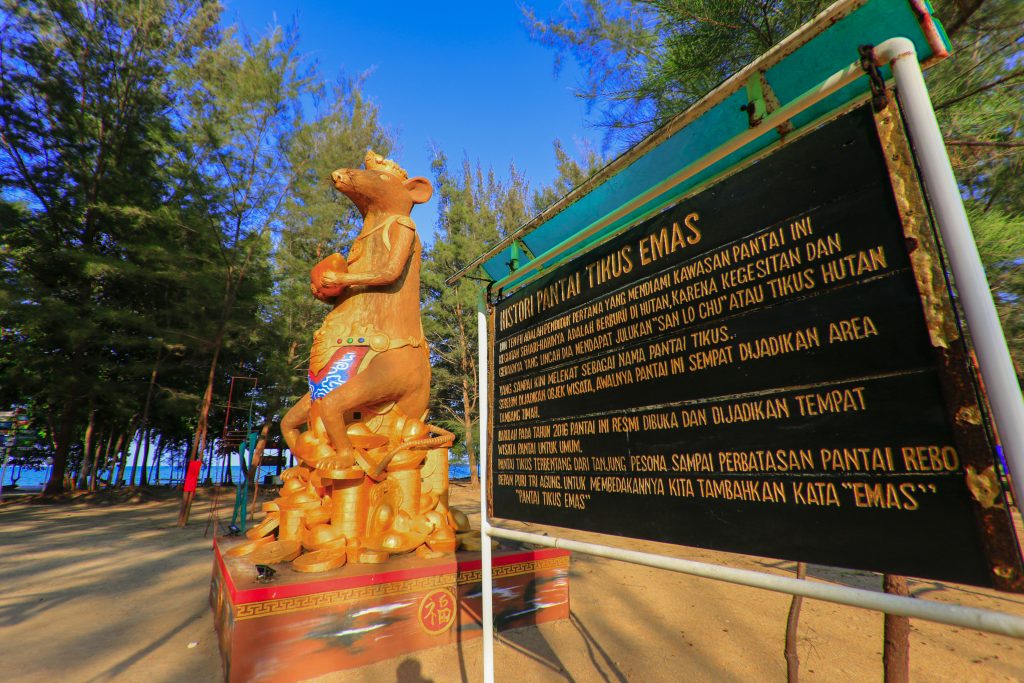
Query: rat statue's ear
[{"x": 419, "y": 189}]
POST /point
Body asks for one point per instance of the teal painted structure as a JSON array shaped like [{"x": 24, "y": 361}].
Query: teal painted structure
[
  {"x": 246, "y": 451},
  {"x": 822, "y": 53}
]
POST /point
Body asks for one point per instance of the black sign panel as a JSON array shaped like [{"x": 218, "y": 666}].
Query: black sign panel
[{"x": 770, "y": 367}]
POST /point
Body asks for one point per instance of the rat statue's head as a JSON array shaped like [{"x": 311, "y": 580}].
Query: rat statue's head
[{"x": 383, "y": 187}]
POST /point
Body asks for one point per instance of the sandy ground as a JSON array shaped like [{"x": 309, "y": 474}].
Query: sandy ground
[{"x": 110, "y": 590}]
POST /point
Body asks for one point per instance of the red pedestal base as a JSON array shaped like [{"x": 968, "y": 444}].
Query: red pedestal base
[{"x": 303, "y": 625}]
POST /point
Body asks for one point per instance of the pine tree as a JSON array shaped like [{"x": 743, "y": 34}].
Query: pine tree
[
  {"x": 646, "y": 61},
  {"x": 316, "y": 221},
  {"x": 475, "y": 211},
  {"x": 85, "y": 118}
]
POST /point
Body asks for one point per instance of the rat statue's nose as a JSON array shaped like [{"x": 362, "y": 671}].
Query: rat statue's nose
[{"x": 340, "y": 176}]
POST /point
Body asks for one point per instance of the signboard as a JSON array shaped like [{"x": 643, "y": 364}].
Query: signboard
[{"x": 769, "y": 367}]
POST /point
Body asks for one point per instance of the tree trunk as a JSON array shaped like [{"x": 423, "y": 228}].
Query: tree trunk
[
  {"x": 55, "y": 485},
  {"x": 119, "y": 454},
  {"x": 160, "y": 445},
  {"x": 88, "y": 458},
  {"x": 204, "y": 413},
  {"x": 144, "y": 472},
  {"x": 467, "y": 421},
  {"x": 135, "y": 459},
  {"x": 468, "y": 369},
  {"x": 792, "y": 656},
  {"x": 896, "y": 654},
  {"x": 228, "y": 477},
  {"x": 104, "y": 463},
  {"x": 125, "y": 447}
]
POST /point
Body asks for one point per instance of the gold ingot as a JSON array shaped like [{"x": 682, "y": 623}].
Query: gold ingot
[
  {"x": 349, "y": 473},
  {"x": 276, "y": 552},
  {"x": 315, "y": 537},
  {"x": 368, "y": 442},
  {"x": 292, "y": 526},
  {"x": 319, "y": 561},
  {"x": 435, "y": 519},
  {"x": 397, "y": 543},
  {"x": 361, "y": 437},
  {"x": 306, "y": 443},
  {"x": 382, "y": 520},
  {"x": 392, "y": 541},
  {"x": 428, "y": 501},
  {"x": 443, "y": 540},
  {"x": 420, "y": 525},
  {"x": 413, "y": 429},
  {"x": 442, "y": 545},
  {"x": 303, "y": 500},
  {"x": 373, "y": 556},
  {"x": 297, "y": 472},
  {"x": 293, "y": 485},
  {"x": 339, "y": 543},
  {"x": 458, "y": 520},
  {"x": 403, "y": 522},
  {"x": 244, "y": 549},
  {"x": 406, "y": 460},
  {"x": 265, "y": 527},
  {"x": 427, "y": 554}
]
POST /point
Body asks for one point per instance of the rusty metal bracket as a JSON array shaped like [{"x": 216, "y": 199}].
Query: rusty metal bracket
[
  {"x": 756, "y": 107},
  {"x": 879, "y": 96},
  {"x": 761, "y": 102}
]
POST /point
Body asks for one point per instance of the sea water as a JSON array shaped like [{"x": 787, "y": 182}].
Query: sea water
[{"x": 34, "y": 480}]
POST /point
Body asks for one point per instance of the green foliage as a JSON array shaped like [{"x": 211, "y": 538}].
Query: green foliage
[
  {"x": 646, "y": 61},
  {"x": 571, "y": 174},
  {"x": 476, "y": 209},
  {"x": 86, "y": 116},
  {"x": 977, "y": 94},
  {"x": 317, "y": 220}
]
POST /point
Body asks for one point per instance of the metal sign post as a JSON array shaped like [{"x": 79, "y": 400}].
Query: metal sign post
[
  {"x": 969, "y": 274},
  {"x": 487, "y": 580},
  {"x": 987, "y": 336}
]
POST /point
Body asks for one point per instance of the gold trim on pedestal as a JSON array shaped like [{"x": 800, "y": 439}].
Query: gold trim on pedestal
[{"x": 252, "y": 610}]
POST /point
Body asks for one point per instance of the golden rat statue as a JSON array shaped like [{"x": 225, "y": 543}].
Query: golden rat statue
[{"x": 373, "y": 482}]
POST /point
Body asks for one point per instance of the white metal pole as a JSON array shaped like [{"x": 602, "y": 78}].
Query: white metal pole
[
  {"x": 487, "y": 587},
  {"x": 930, "y": 610},
  {"x": 997, "y": 370}
]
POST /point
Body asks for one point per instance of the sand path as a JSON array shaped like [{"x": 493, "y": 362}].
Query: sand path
[{"x": 95, "y": 591}]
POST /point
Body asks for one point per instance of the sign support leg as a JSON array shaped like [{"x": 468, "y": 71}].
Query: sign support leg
[
  {"x": 487, "y": 587},
  {"x": 987, "y": 334}
]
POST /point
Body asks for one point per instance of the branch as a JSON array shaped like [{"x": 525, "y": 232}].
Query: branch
[
  {"x": 981, "y": 88},
  {"x": 965, "y": 10},
  {"x": 982, "y": 143}
]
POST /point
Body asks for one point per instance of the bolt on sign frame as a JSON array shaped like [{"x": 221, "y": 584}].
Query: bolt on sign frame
[{"x": 704, "y": 150}]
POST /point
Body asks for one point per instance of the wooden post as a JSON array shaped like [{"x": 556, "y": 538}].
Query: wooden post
[{"x": 896, "y": 653}]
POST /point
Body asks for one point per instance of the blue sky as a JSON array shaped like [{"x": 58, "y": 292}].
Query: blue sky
[{"x": 463, "y": 76}]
